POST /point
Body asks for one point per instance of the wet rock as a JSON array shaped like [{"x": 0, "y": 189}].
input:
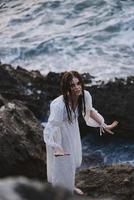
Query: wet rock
[
  {"x": 25, "y": 96},
  {"x": 114, "y": 100},
  {"x": 29, "y": 87},
  {"x": 116, "y": 181},
  {"x": 34, "y": 89},
  {"x": 22, "y": 150},
  {"x": 96, "y": 158}
]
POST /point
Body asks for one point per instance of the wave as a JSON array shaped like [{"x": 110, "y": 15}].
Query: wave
[
  {"x": 88, "y": 36},
  {"x": 107, "y": 150}
]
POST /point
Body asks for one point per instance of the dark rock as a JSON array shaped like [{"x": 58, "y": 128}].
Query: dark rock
[
  {"x": 22, "y": 150},
  {"x": 87, "y": 78},
  {"x": 114, "y": 100},
  {"x": 96, "y": 158},
  {"x": 26, "y": 95},
  {"x": 34, "y": 89},
  {"x": 29, "y": 87},
  {"x": 3, "y": 101},
  {"x": 115, "y": 181}
]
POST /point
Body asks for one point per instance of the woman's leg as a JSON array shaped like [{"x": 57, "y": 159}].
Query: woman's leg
[{"x": 64, "y": 172}]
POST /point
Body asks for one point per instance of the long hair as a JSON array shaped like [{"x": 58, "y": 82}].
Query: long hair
[{"x": 66, "y": 81}]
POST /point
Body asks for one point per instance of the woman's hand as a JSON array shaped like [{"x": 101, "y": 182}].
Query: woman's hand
[
  {"x": 108, "y": 128},
  {"x": 60, "y": 152}
]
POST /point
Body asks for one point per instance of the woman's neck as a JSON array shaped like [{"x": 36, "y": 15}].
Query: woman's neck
[{"x": 73, "y": 102}]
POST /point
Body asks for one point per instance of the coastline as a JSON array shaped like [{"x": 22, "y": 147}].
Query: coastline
[{"x": 24, "y": 104}]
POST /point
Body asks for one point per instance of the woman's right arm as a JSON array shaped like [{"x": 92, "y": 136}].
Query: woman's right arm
[{"x": 52, "y": 133}]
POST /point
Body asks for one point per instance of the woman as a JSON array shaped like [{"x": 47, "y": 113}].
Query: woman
[{"x": 61, "y": 134}]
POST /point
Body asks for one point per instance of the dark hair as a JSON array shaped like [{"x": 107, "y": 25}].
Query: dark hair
[{"x": 66, "y": 89}]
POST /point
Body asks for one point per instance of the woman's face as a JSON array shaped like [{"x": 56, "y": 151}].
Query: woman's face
[{"x": 76, "y": 87}]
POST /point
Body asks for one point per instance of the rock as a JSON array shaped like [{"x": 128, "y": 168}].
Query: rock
[
  {"x": 3, "y": 101},
  {"x": 25, "y": 96},
  {"x": 114, "y": 100},
  {"x": 34, "y": 89},
  {"x": 25, "y": 189},
  {"x": 115, "y": 181},
  {"x": 96, "y": 158},
  {"x": 29, "y": 87},
  {"x": 22, "y": 150},
  {"x": 21, "y": 188}
]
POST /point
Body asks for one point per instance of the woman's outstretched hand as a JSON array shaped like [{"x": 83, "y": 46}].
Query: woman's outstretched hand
[
  {"x": 108, "y": 128},
  {"x": 60, "y": 152}
]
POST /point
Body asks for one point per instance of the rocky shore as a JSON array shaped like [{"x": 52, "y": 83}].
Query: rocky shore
[
  {"x": 24, "y": 104},
  {"x": 115, "y": 182}
]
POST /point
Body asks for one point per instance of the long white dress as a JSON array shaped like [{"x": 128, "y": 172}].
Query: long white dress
[{"x": 58, "y": 132}]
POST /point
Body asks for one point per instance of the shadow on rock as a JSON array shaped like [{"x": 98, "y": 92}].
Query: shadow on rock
[{"x": 22, "y": 150}]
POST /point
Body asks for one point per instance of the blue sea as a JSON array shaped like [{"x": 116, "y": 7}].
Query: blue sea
[
  {"x": 104, "y": 150},
  {"x": 95, "y": 36}
]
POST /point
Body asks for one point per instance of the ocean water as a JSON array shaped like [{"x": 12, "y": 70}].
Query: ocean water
[
  {"x": 105, "y": 150},
  {"x": 57, "y": 35}
]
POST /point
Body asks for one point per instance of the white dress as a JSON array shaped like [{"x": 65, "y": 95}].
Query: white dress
[{"x": 59, "y": 132}]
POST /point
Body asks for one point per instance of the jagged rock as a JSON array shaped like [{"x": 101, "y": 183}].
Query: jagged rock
[
  {"x": 29, "y": 87},
  {"x": 113, "y": 100},
  {"x": 34, "y": 89},
  {"x": 22, "y": 150},
  {"x": 116, "y": 181}
]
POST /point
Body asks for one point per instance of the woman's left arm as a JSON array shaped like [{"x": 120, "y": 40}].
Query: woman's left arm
[
  {"x": 94, "y": 115},
  {"x": 104, "y": 127}
]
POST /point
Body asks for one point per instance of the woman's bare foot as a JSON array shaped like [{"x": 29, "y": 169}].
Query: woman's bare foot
[{"x": 78, "y": 191}]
